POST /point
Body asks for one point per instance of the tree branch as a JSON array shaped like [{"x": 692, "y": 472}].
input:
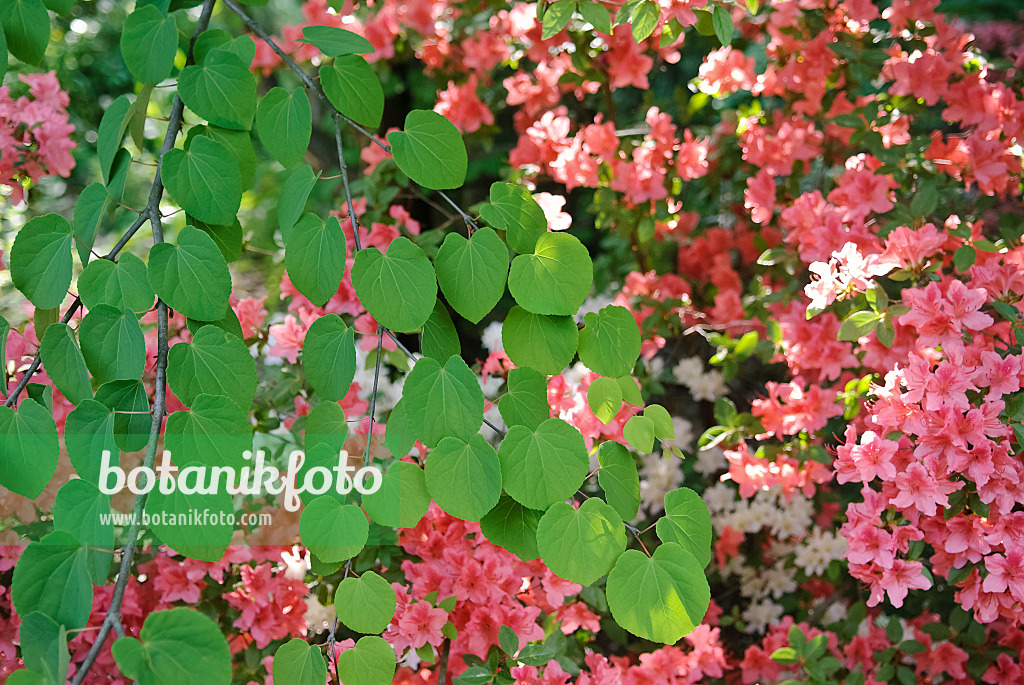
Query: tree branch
[{"x": 113, "y": 618}]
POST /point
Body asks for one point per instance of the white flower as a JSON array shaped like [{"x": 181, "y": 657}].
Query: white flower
[
  {"x": 759, "y": 615},
  {"x": 318, "y": 617},
  {"x": 818, "y": 551},
  {"x": 688, "y": 370},
  {"x": 710, "y": 461},
  {"x": 491, "y": 338},
  {"x": 655, "y": 367},
  {"x": 797, "y": 519},
  {"x": 720, "y": 498},
  {"x": 708, "y": 386},
  {"x": 658, "y": 477}
]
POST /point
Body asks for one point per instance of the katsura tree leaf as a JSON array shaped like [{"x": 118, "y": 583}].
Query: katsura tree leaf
[
  {"x": 88, "y": 431},
  {"x": 26, "y": 25},
  {"x": 662, "y": 420},
  {"x": 464, "y": 478},
  {"x": 149, "y": 43},
  {"x": 370, "y": 662},
  {"x": 402, "y": 499},
  {"x": 227, "y": 238},
  {"x": 525, "y": 402},
  {"x": 630, "y": 390},
  {"x": 439, "y": 339},
  {"x": 204, "y": 180},
  {"x": 214, "y": 431},
  {"x": 5, "y": 330},
  {"x": 365, "y": 604},
  {"x": 292, "y": 201},
  {"x": 3, "y": 51},
  {"x": 352, "y": 87},
  {"x": 229, "y": 324},
  {"x": 398, "y": 434},
  {"x": 543, "y": 466},
  {"x": 214, "y": 363},
  {"x": 209, "y": 40},
  {"x": 544, "y": 343},
  {"x": 191, "y": 276},
  {"x": 90, "y": 210},
  {"x": 329, "y": 357},
  {"x": 555, "y": 279},
  {"x": 63, "y": 361},
  {"x": 513, "y": 210},
  {"x": 113, "y": 345},
  {"x": 175, "y": 644},
  {"x": 315, "y": 257},
  {"x": 604, "y": 397},
  {"x": 242, "y": 47},
  {"x": 41, "y": 260},
  {"x": 130, "y": 404},
  {"x": 661, "y": 598},
  {"x": 619, "y": 479},
  {"x": 687, "y": 523},
  {"x": 205, "y": 540},
  {"x": 111, "y": 132},
  {"x": 123, "y": 284},
  {"x": 222, "y": 90},
  {"x": 430, "y": 150},
  {"x": 514, "y": 527},
  {"x": 299, "y": 663},
  {"x": 333, "y": 531},
  {"x": 52, "y": 577},
  {"x": 28, "y": 443},
  {"x": 119, "y": 175},
  {"x": 443, "y": 401},
  {"x": 44, "y": 648},
  {"x": 639, "y": 432},
  {"x": 472, "y": 273},
  {"x": 335, "y": 42},
  {"x": 239, "y": 143},
  {"x": 582, "y": 544},
  {"x": 80, "y": 509},
  {"x": 610, "y": 341},
  {"x": 397, "y": 287},
  {"x": 326, "y": 425},
  {"x": 284, "y": 124}
]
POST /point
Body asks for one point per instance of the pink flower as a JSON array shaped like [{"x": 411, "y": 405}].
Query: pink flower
[
  {"x": 918, "y": 488},
  {"x": 901, "y": 578},
  {"x": 1005, "y": 572},
  {"x": 871, "y": 459},
  {"x": 251, "y": 315},
  {"x": 421, "y": 623},
  {"x": 288, "y": 338},
  {"x": 552, "y": 206}
]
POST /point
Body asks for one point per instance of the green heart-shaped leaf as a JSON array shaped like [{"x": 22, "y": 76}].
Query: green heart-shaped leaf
[
  {"x": 472, "y": 272},
  {"x": 582, "y": 544},
  {"x": 661, "y": 598},
  {"x": 541, "y": 467},
  {"x": 555, "y": 279},
  {"x": 398, "y": 287}
]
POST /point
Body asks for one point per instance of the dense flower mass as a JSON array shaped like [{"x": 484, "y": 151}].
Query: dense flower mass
[
  {"x": 35, "y": 134},
  {"x": 815, "y": 227}
]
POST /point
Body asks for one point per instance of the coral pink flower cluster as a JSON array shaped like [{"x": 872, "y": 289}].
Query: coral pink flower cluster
[{"x": 35, "y": 134}]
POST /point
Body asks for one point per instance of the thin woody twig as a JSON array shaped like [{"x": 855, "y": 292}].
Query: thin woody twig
[{"x": 113, "y": 618}]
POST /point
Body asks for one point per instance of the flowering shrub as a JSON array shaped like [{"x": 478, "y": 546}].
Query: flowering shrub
[{"x": 684, "y": 334}]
